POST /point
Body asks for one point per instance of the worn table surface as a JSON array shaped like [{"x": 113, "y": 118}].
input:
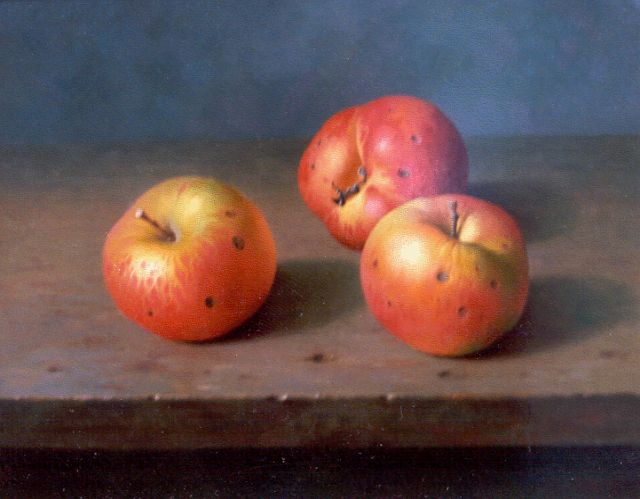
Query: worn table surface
[{"x": 313, "y": 368}]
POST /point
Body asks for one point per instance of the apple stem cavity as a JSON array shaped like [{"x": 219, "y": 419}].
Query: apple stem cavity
[
  {"x": 453, "y": 210},
  {"x": 344, "y": 194},
  {"x": 168, "y": 234}
]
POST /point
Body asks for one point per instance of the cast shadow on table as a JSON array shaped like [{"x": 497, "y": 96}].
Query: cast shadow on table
[
  {"x": 305, "y": 294},
  {"x": 540, "y": 210},
  {"x": 563, "y": 310}
]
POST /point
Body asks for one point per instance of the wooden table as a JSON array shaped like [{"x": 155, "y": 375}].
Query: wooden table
[{"x": 313, "y": 368}]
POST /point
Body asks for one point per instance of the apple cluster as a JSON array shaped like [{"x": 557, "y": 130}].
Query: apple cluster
[{"x": 447, "y": 273}]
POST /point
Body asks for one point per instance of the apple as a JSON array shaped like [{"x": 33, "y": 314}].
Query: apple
[
  {"x": 446, "y": 274},
  {"x": 366, "y": 160},
  {"x": 190, "y": 260}
]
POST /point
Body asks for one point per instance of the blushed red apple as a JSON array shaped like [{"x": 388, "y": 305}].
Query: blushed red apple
[
  {"x": 366, "y": 160},
  {"x": 191, "y": 259},
  {"x": 446, "y": 274}
]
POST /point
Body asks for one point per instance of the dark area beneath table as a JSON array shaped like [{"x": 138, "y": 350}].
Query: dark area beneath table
[{"x": 466, "y": 472}]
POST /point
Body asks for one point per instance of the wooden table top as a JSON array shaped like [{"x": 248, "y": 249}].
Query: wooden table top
[{"x": 313, "y": 368}]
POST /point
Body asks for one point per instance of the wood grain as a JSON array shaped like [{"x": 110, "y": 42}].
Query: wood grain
[{"x": 313, "y": 367}]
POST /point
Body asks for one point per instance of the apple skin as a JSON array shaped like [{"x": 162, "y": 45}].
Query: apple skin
[
  {"x": 408, "y": 149},
  {"x": 211, "y": 279},
  {"x": 443, "y": 295}
]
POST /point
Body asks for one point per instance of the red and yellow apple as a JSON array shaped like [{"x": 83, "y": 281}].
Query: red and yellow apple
[
  {"x": 190, "y": 260},
  {"x": 366, "y": 160},
  {"x": 446, "y": 274}
]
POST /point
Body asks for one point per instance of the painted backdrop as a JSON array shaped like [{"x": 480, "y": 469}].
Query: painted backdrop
[{"x": 111, "y": 70}]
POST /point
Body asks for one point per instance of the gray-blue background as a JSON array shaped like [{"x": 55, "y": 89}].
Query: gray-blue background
[{"x": 111, "y": 70}]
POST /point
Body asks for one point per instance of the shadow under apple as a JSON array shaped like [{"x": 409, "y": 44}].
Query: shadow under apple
[
  {"x": 540, "y": 210},
  {"x": 305, "y": 294},
  {"x": 564, "y": 310}
]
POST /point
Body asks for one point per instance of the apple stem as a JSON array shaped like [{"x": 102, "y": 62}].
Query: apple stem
[
  {"x": 345, "y": 194},
  {"x": 453, "y": 207},
  {"x": 167, "y": 233}
]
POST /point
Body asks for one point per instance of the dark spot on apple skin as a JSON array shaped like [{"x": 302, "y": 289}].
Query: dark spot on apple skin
[
  {"x": 375, "y": 264},
  {"x": 230, "y": 213},
  {"x": 505, "y": 246},
  {"x": 150, "y": 313},
  {"x": 354, "y": 189},
  {"x": 313, "y": 166},
  {"x": 462, "y": 311},
  {"x": 208, "y": 301},
  {"x": 445, "y": 373},
  {"x": 238, "y": 242},
  {"x": 319, "y": 142},
  {"x": 340, "y": 200},
  {"x": 494, "y": 284},
  {"x": 389, "y": 303},
  {"x": 317, "y": 358},
  {"x": 403, "y": 172},
  {"x": 442, "y": 276},
  {"x": 54, "y": 369},
  {"x": 414, "y": 139}
]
